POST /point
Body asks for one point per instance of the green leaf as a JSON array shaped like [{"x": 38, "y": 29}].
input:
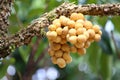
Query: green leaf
[
  {"x": 3, "y": 70},
  {"x": 93, "y": 53},
  {"x": 24, "y": 52},
  {"x": 106, "y": 66},
  {"x": 4, "y": 65},
  {"x": 105, "y": 42},
  {"x": 116, "y": 22},
  {"x": 91, "y": 1},
  {"x": 102, "y": 20}
]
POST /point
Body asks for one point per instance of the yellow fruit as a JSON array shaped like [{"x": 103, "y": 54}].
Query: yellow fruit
[
  {"x": 81, "y": 51},
  {"x": 90, "y": 40},
  {"x": 57, "y": 23},
  {"x": 55, "y": 46},
  {"x": 63, "y": 41},
  {"x": 97, "y": 37},
  {"x": 81, "y": 38},
  {"x": 63, "y": 36},
  {"x": 72, "y": 32},
  {"x": 67, "y": 37},
  {"x": 81, "y": 16},
  {"x": 86, "y": 34},
  {"x": 59, "y": 31},
  {"x": 72, "y": 39},
  {"x": 65, "y": 30},
  {"x": 100, "y": 32},
  {"x": 61, "y": 62},
  {"x": 80, "y": 21},
  {"x": 79, "y": 45},
  {"x": 87, "y": 44},
  {"x": 52, "y": 34},
  {"x": 54, "y": 60},
  {"x": 71, "y": 24},
  {"x": 57, "y": 39},
  {"x": 52, "y": 27},
  {"x": 78, "y": 25},
  {"x": 91, "y": 33},
  {"x": 63, "y": 20},
  {"x": 58, "y": 53},
  {"x": 96, "y": 28},
  {"x": 51, "y": 52},
  {"x": 65, "y": 47},
  {"x": 48, "y": 35},
  {"x": 76, "y": 16},
  {"x": 67, "y": 58},
  {"x": 87, "y": 25},
  {"x": 80, "y": 31},
  {"x": 73, "y": 49}
]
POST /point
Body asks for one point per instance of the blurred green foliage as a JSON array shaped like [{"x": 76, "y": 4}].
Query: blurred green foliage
[{"x": 101, "y": 62}]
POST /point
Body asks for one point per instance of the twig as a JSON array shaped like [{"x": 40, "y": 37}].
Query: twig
[
  {"x": 31, "y": 63},
  {"x": 37, "y": 27}
]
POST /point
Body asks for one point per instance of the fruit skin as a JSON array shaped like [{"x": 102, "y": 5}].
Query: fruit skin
[
  {"x": 71, "y": 24},
  {"x": 51, "y": 52},
  {"x": 58, "y": 53},
  {"x": 73, "y": 49},
  {"x": 67, "y": 58},
  {"x": 52, "y": 34},
  {"x": 96, "y": 28},
  {"x": 57, "y": 39},
  {"x": 87, "y": 44},
  {"x": 97, "y": 37},
  {"x": 87, "y": 24},
  {"x": 91, "y": 33},
  {"x": 54, "y": 60},
  {"x": 78, "y": 25},
  {"x": 52, "y": 27},
  {"x": 79, "y": 45},
  {"x": 81, "y": 38},
  {"x": 63, "y": 20},
  {"x": 57, "y": 23},
  {"x": 80, "y": 31},
  {"x": 76, "y": 16},
  {"x": 72, "y": 32},
  {"x": 61, "y": 62},
  {"x": 65, "y": 47},
  {"x": 59, "y": 31},
  {"x": 81, "y": 51},
  {"x": 55, "y": 46},
  {"x": 73, "y": 39},
  {"x": 65, "y": 30}
]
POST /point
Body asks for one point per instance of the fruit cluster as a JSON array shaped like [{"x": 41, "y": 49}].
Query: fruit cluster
[{"x": 73, "y": 34}]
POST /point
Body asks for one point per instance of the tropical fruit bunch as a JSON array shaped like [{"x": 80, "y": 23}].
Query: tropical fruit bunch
[{"x": 70, "y": 35}]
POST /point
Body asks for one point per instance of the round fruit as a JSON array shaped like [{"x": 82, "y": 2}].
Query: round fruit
[
  {"x": 72, "y": 39},
  {"x": 61, "y": 62},
  {"x": 97, "y": 37},
  {"x": 59, "y": 31},
  {"x": 81, "y": 51},
  {"x": 87, "y": 24},
  {"x": 54, "y": 60},
  {"x": 58, "y": 53},
  {"x": 72, "y": 32}
]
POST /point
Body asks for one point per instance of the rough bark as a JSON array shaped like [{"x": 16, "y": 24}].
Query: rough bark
[
  {"x": 38, "y": 26},
  {"x": 5, "y": 9}
]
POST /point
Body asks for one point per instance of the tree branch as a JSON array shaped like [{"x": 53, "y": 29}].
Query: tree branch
[
  {"x": 5, "y": 9},
  {"x": 38, "y": 26}
]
